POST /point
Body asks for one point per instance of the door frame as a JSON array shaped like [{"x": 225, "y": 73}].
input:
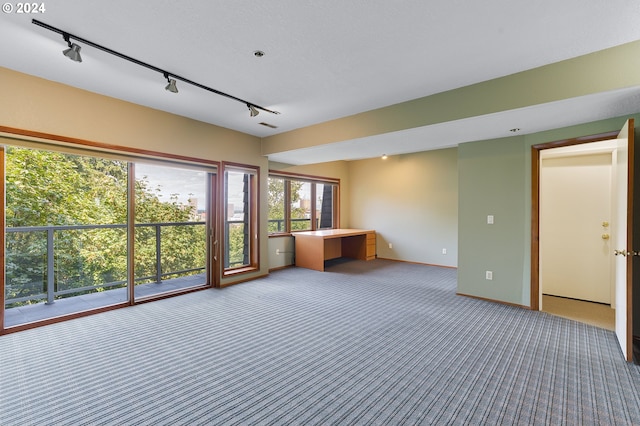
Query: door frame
[{"x": 535, "y": 204}]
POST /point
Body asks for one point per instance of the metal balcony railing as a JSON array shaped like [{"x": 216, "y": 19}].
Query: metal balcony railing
[
  {"x": 49, "y": 280},
  {"x": 235, "y": 256},
  {"x": 281, "y": 222}
]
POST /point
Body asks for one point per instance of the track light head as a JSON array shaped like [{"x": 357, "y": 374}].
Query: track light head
[
  {"x": 73, "y": 52},
  {"x": 171, "y": 87},
  {"x": 252, "y": 110}
]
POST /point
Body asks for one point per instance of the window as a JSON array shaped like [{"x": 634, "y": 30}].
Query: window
[
  {"x": 301, "y": 203},
  {"x": 277, "y": 218},
  {"x": 325, "y": 195},
  {"x": 300, "y": 206},
  {"x": 240, "y": 219},
  {"x": 88, "y": 230}
]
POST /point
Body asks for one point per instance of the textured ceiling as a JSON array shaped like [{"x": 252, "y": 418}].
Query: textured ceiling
[{"x": 324, "y": 59}]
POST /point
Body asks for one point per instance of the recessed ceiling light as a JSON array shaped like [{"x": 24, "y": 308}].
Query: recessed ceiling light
[{"x": 258, "y": 53}]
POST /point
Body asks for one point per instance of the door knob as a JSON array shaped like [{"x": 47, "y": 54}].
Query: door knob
[{"x": 605, "y": 236}]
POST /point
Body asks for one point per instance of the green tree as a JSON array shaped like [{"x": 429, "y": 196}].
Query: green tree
[
  {"x": 299, "y": 219},
  {"x": 276, "y": 191},
  {"x": 276, "y": 200},
  {"x": 183, "y": 247},
  {"x": 46, "y": 189},
  {"x": 53, "y": 189}
]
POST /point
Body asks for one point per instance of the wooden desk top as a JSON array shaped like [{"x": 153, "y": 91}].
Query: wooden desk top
[{"x": 332, "y": 233}]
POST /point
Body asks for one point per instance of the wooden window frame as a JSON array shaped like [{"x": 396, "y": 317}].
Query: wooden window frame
[
  {"x": 314, "y": 180},
  {"x": 254, "y": 227}
]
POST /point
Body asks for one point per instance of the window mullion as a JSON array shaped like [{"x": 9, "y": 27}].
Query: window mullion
[
  {"x": 287, "y": 205},
  {"x": 314, "y": 213}
]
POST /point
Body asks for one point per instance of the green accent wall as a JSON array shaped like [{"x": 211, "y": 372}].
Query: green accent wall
[
  {"x": 596, "y": 72},
  {"x": 494, "y": 178},
  {"x": 491, "y": 176}
]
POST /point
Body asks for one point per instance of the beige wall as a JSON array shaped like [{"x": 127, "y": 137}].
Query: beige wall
[
  {"x": 411, "y": 200},
  {"x": 40, "y": 105}
]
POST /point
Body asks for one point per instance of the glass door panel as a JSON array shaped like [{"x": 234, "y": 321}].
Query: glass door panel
[
  {"x": 65, "y": 234},
  {"x": 171, "y": 239}
]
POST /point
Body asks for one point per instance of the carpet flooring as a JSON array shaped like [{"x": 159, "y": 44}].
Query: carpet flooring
[{"x": 364, "y": 343}]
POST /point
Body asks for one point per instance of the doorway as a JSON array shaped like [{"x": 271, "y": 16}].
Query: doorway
[
  {"x": 567, "y": 148},
  {"x": 622, "y": 236},
  {"x": 576, "y": 270}
]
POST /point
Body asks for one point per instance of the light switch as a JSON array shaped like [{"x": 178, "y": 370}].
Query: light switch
[{"x": 490, "y": 219}]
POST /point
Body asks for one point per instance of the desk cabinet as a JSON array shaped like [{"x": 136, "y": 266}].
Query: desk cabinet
[
  {"x": 314, "y": 247},
  {"x": 371, "y": 245}
]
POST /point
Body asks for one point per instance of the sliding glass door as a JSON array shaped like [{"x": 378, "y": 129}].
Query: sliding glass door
[
  {"x": 69, "y": 218},
  {"x": 172, "y": 210}
]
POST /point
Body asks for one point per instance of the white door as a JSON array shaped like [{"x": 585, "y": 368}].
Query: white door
[
  {"x": 623, "y": 232},
  {"x": 575, "y": 211}
]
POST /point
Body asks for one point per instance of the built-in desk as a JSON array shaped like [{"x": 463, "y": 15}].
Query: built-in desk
[{"x": 314, "y": 247}]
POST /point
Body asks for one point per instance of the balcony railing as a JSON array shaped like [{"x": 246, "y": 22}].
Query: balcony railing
[
  {"x": 279, "y": 228},
  {"x": 49, "y": 279},
  {"x": 47, "y": 261}
]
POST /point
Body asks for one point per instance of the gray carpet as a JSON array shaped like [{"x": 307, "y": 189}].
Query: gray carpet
[{"x": 376, "y": 342}]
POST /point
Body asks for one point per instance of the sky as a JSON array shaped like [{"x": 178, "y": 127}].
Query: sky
[{"x": 186, "y": 183}]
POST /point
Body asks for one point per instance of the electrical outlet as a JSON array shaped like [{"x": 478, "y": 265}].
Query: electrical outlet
[
  {"x": 390, "y": 245},
  {"x": 488, "y": 275},
  {"x": 278, "y": 251},
  {"x": 444, "y": 251}
]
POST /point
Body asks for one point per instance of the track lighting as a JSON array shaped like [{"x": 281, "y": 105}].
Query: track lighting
[
  {"x": 73, "y": 53},
  {"x": 172, "y": 84},
  {"x": 252, "y": 111}
]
